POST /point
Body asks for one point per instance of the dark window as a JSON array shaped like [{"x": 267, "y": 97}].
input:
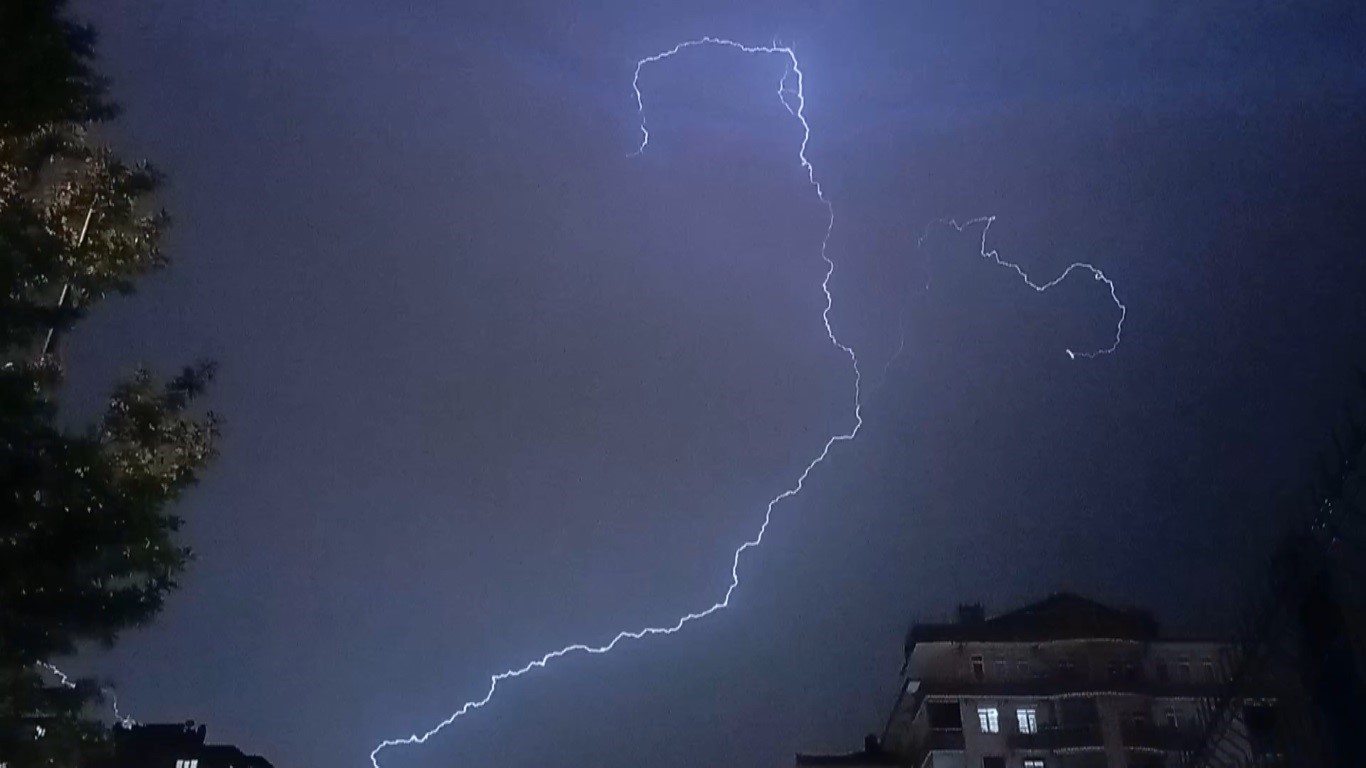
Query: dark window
[
  {"x": 1184, "y": 670},
  {"x": 944, "y": 715},
  {"x": 1066, "y": 669},
  {"x": 979, "y": 669},
  {"x": 1078, "y": 711},
  {"x": 1113, "y": 669},
  {"x": 1209, "y": 672},
  {"x": 993, "y": 762},
  {"x": 1162, "y": 670},
  {"x": 1260, "y": 719},
  {"x": 1172, "y": 720},
  {"x": 1022, "y": 668},
  {"x": 1001, "y": 669}
]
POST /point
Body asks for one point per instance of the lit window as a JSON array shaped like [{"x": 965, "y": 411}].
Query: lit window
[
  {"x": 989, "y": 719},
  {"x": 1028, "y": 718},
  {"x": 1033, "y": 762},
  {"x": 978, "y": 668},
  {"x": 187, "y": 763}
]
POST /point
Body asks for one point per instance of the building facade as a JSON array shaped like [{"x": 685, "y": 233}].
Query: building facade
[{"x": 1062, "y": 683}]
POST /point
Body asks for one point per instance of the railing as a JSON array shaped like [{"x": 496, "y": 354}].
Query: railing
[
  {"x": 943, "y": 740},
  {"x": 1068, "y": 685},
  {"x": 937, "y": 740},
  {"x": 1063, "y": 737},
  {"x": 1159, "y": 738}
]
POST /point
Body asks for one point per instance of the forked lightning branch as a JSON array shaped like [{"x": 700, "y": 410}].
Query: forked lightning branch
[{"x": 791, "y": 92}]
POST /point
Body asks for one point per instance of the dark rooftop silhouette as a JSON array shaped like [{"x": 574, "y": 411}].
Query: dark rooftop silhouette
[
  {"x": 871, "y": 755},
  {"x": 173, "y": 745},
  {"x": 1060, "y": 616}
]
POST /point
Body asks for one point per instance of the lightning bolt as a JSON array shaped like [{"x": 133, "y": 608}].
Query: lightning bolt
[
  {"x": 794, "y": 100},
  {"x": 1096, "y": 274},
  {"x": 65, "y": 681},
  {"x": 792, "y": 95}
]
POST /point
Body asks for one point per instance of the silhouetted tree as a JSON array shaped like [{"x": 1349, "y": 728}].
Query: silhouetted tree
[{"x": 87, "y": 545}]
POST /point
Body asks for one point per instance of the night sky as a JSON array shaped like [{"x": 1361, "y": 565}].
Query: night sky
[{"x": 493, "y": 386}]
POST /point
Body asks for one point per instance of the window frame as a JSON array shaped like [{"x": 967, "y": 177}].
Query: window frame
[
  {"x": 988, "y": 719},
  {"x": 1027, "y": 719}
]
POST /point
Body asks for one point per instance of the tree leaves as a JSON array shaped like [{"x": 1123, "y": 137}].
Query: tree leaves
[
  {"x": 46, "y": 68},
  {"x": 87, "y": 536}
]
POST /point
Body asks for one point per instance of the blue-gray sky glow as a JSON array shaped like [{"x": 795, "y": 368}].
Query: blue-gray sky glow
[{"x": 494, "y": 385}]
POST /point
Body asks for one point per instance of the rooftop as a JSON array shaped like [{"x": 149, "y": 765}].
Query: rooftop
[
  {"x": 871, "y": 755},
  {"x": 163, "y": 743},
  {"x": 1060, "y": 616},
  {"x": 851, "y": 760}
]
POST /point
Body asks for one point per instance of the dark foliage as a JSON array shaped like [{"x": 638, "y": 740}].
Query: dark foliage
[{"x": 87, "y": 539}]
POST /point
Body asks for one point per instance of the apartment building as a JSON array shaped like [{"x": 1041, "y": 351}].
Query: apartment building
[{"x": 1063, "y": 683}]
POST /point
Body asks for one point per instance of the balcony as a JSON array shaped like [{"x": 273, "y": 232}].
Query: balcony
[
  {"x": 1063, "y": 685},
  {"x": 942, "y": 740},
  {"x": 936, "y": 740},
  {"x": 1060, "y": 738},
  {"x": 1159, "y": 738}
]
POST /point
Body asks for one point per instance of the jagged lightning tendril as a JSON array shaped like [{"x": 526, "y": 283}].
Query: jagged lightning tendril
[
  {"x": 65, "y": 681},
  {"x": 793, "y": 99},
  {"x": 1096, "y": 274}
]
